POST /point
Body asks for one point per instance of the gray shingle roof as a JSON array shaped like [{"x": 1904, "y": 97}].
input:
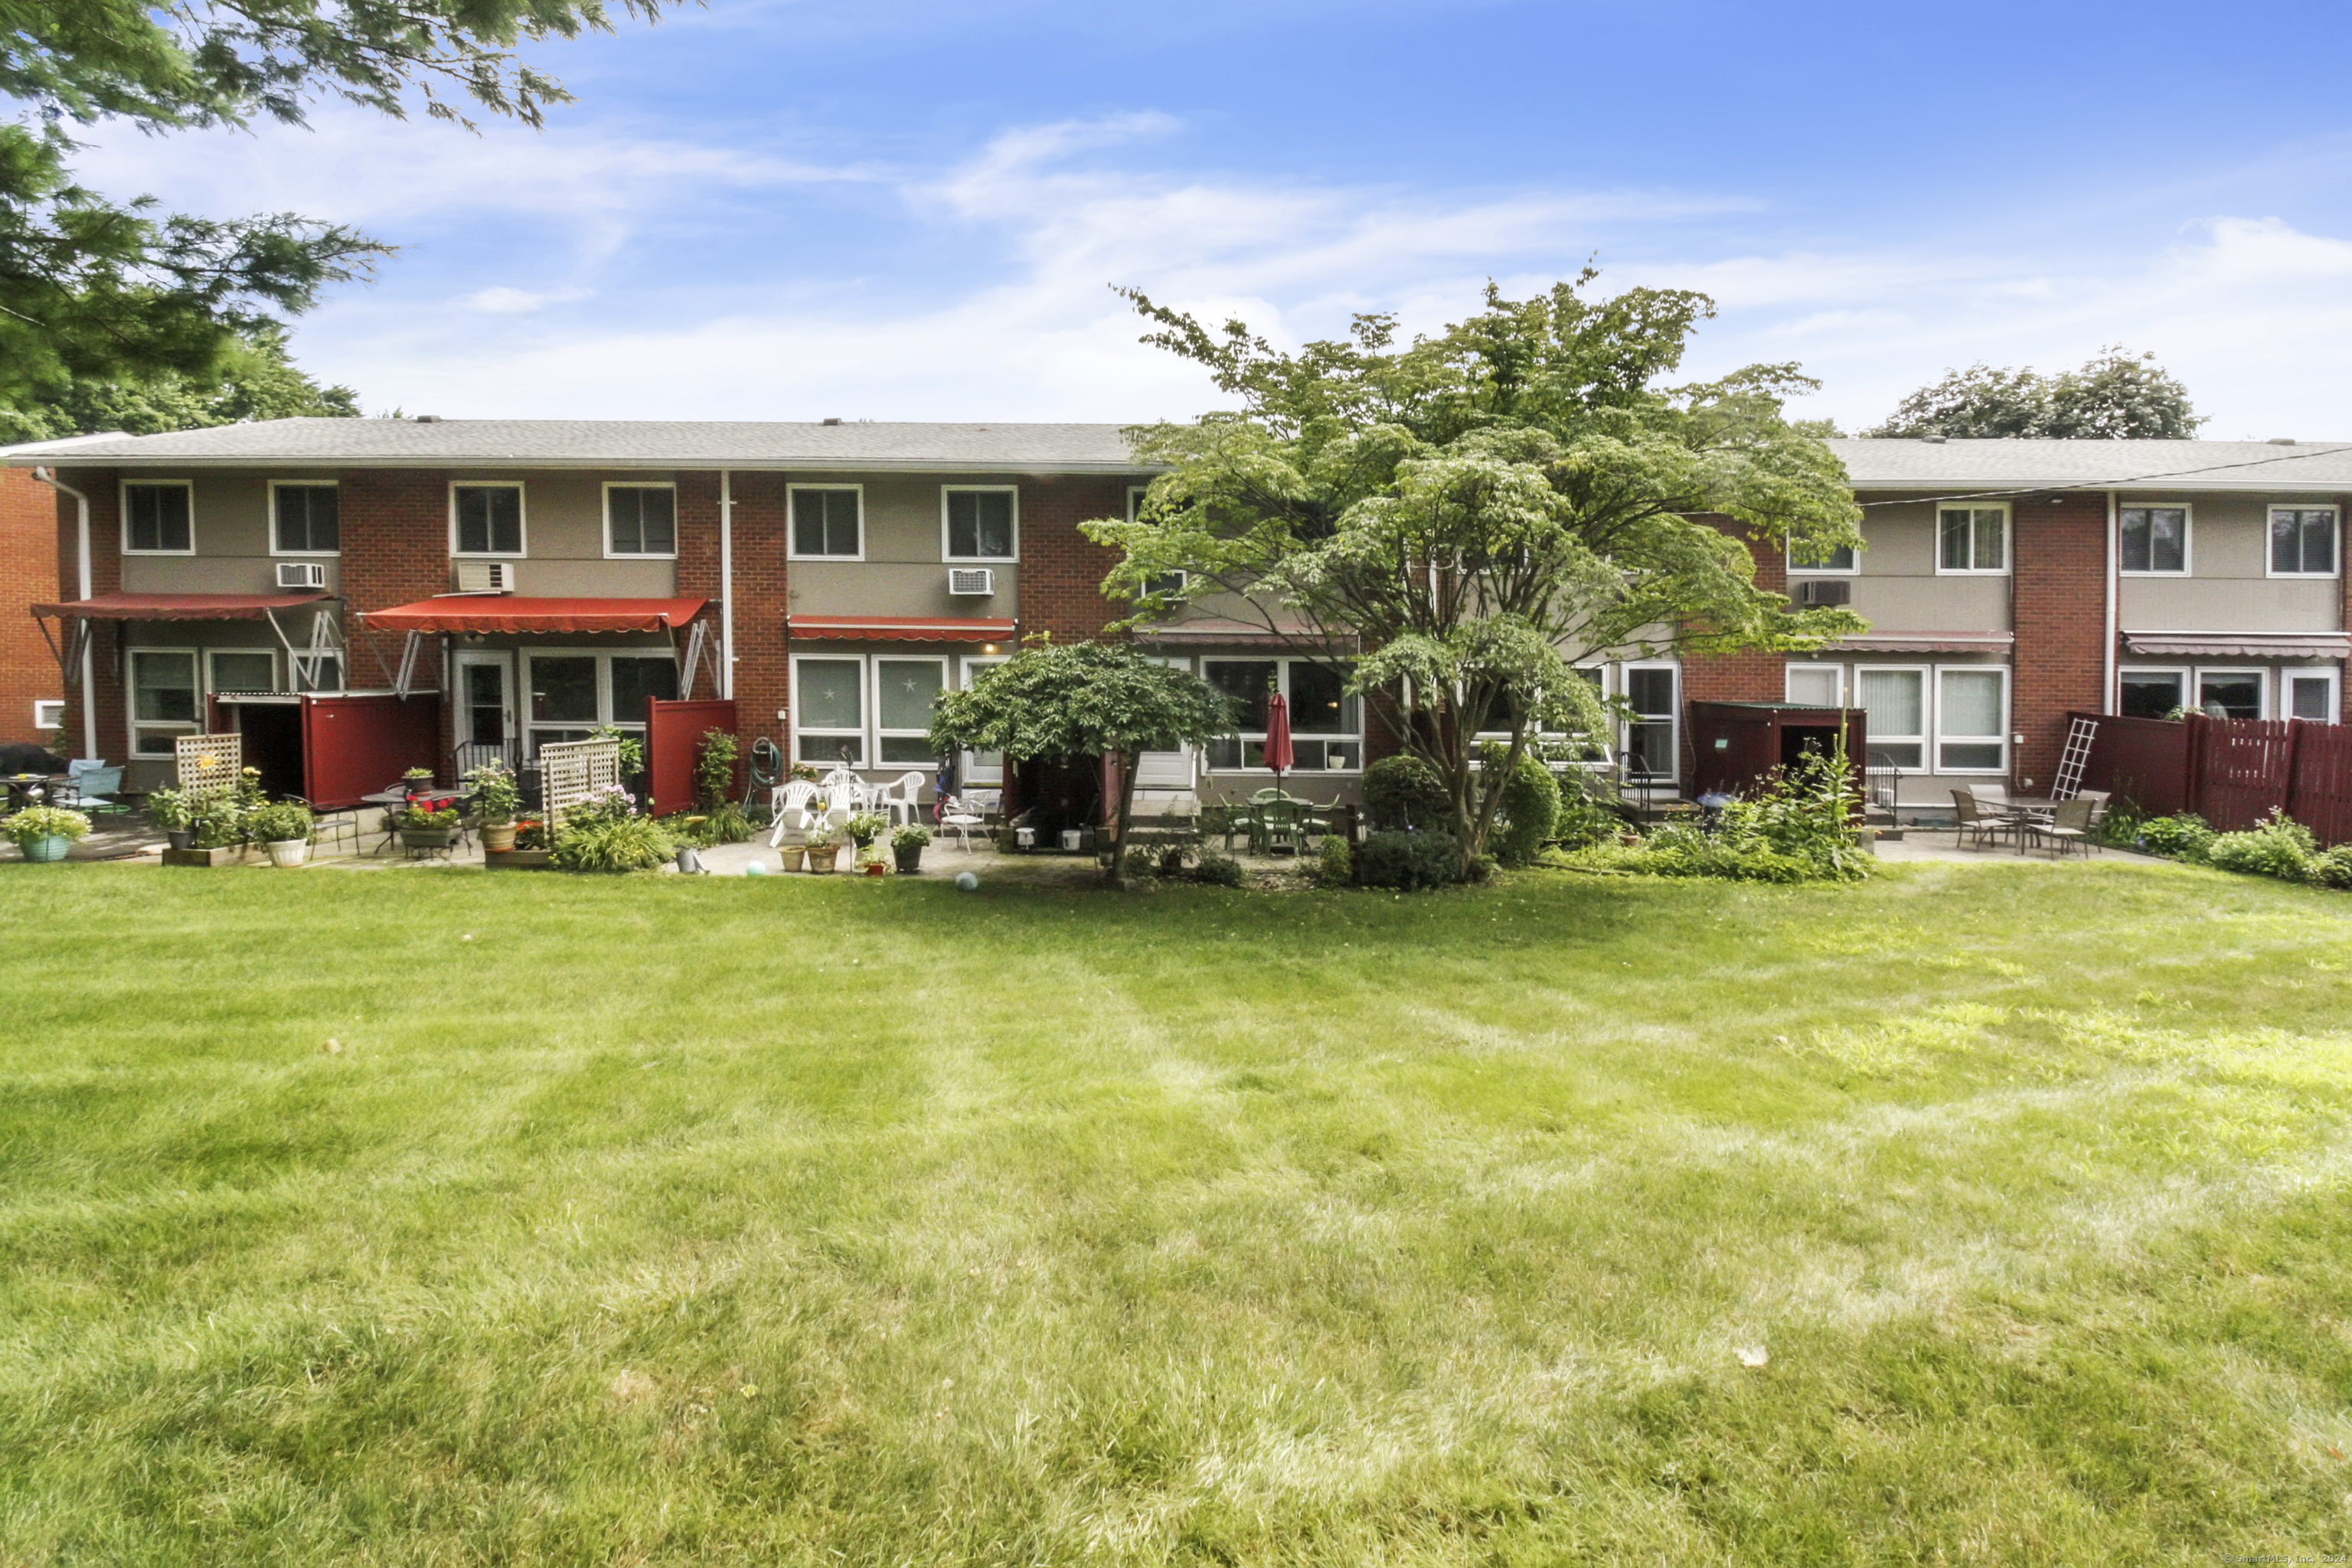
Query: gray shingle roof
[
  {"x": 2141, "y": 467},
  {"x": 606, "y": 444}
]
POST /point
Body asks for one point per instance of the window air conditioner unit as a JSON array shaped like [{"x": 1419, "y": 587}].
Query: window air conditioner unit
[
  {"x": 1822, "y": 591},
  {"x": 486, "y": 576},
  {"x": 302, "y": 575},
  {"x": 971, "y": 582}
]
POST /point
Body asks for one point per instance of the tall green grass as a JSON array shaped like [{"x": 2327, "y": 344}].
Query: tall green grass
[{"x": 691, "y": 1220}]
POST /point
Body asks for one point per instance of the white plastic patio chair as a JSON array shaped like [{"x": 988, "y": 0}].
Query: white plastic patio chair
[
  {"x": 791, "y": 805},
  {"x": 958, "y": 818},
  {"x": 901, "y": 802}
]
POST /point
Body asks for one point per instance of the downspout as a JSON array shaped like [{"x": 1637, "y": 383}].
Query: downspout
[
  {"x": 89, "y": 648},
  {"x": 2114, "y": 564},
  {"x": 725, "y": 582}
]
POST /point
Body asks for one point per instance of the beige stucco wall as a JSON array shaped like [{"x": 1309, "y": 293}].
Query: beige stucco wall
[
  {"x": 1898, "y": 590},
  {"x": 905, "y": 571},
  {"x": 2228, "y": 587},
  {"x": 230, "y": 517},
  {"x": 564, "y": 538}
]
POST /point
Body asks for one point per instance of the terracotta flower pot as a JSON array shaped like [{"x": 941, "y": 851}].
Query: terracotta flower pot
[{"x": 823, "y": 862}]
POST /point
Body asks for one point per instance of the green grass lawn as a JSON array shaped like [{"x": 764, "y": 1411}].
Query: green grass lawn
[{"x": 723, "y": 1220}]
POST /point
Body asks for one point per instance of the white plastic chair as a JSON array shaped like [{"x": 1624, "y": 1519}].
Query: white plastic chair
[
  {"x": 957, "y": 817},
  {"x": 792, "y": 803},
  {"x": 901, "y": 802}
]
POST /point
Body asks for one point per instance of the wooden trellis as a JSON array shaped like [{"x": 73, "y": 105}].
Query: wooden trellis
[
  {"x": 208, "y": 765},
  {"x": 573, "y": 773}
]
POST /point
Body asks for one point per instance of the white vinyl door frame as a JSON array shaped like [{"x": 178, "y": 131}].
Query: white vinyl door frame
[
  {"x": 503, "y": 661},
  {"x": 1179, "y": 769}
]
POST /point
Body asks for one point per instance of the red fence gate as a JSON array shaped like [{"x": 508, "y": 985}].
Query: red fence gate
[
  {"x": 674, "y": 732},
  {"x": 2231, "y": 771},
  {"x": 354, "y": 746}
]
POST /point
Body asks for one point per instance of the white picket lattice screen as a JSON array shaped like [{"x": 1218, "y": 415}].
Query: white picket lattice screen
[
  {"x": 207, "y": 765},
  {"x": 573, "y": 773}
]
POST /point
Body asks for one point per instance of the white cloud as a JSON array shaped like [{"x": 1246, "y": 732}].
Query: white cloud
[{"x": 520, "y": 301}]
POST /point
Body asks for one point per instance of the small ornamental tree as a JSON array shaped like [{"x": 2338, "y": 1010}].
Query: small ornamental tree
[
  {"x": 1482, "y": 510},
  {"x": 1083, "y": 699}
]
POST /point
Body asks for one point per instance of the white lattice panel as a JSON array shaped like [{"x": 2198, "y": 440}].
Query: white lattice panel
[
  {"x": 208, "y": 764},
  {"x": 571, "y": 773}
]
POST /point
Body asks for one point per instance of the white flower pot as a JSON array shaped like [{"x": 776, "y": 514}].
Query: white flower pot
[{"x": 288, "y": 852}]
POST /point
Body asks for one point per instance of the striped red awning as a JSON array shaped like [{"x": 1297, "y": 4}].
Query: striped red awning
[
  {"x": 900, "y": 628},
  {"x": 176, "y": 606},
  {"x": 526, "y": 615},
  {"x": 1924, "y": 642}
]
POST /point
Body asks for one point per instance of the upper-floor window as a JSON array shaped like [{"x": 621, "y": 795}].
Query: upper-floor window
[
  {"x": 640, "y": 520},
  {"x": 304, "y": 520},
  {"x": 157, "y": 517},
  {"x": 1972, "y": 539},
  {"x": 2155, "y": 540},
  {"x": 1841, "y": 559},
  {"x": 982, "y": 524},
  {"x": 486, "y": 519},
  {"x": 827, "y": 522},
  {"x": 2302, "y": 542}
]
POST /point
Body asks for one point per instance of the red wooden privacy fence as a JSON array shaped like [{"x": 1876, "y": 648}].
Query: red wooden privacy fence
[
  {"x": 354, "y": 746},
  {"x": 673, "y": 733},
  {"x": 2231, "y": 771}
]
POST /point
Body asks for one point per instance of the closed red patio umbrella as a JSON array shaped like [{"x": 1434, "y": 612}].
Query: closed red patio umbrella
[{"x": 1279, "y": 754}]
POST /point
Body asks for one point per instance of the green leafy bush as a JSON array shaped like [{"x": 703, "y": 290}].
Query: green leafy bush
[
  {"x": 1218, "y": 870},
  {"x": 1409, "y": 860},
  {"x": 2333, "y": 868},
  {"x": 1334, "y": 862},
  {"x": 714, "y": 769},
  {"x": 38, "y": 822},
  {"x": 2183, "y": 837},
  {"x": 2281, "y": 847},
  {"x": 613, "y": 844},
  {"x": 170, "y": 810},
  {"x": 1798, "y": 828},
  {"x": 1402, "y": 792},
  {"x": 279, "y": 824},
  {"x": 1586, "y": 813},
  {"x": 1530, "y": 808}
]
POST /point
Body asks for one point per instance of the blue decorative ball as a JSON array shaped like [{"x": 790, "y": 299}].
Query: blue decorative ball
[
  {"x": 966, "y": 882},
  {"x": 755, "y": 870}
]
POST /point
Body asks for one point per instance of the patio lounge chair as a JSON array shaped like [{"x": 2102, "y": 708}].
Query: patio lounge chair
[
  {"x": 1975, "y": 820},
  {"x": 791, "y": 810},
  {"x": 2069, "y": 828}
]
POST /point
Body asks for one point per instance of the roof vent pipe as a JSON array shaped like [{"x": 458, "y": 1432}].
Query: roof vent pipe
[
  {"x": 832, "y": 421},
  {"x": 428, "y": 419},
  {"x": 2280, "y": 441},
  {"x": 1935, "y": 440}
]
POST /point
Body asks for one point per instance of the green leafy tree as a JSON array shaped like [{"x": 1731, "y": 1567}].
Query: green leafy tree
[
  {"x": 1484, "y": 508},
  {"x": 255, "y": 380},
  {"x": 1082, "y": 699},
  {"x": 2116, "y": 395},
  {"x": 97, "y": 290}
]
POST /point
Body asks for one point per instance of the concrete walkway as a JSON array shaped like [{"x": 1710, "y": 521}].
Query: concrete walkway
[{"x": 1943, "y": 843}]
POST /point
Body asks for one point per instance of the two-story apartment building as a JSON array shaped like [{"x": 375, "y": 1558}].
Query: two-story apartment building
[{"x": 547, "y": 577}]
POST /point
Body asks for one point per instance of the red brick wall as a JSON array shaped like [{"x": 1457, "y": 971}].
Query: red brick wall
[
  {"x": 762, "y": 590},
  {"x": 2060, "y": 609},
  {"x": 1061, "y": 569},
  {"x": 396, "y": 529},
  {"x": 28, "y": 576},
  {"x": 1739, "y": 677},
  {"x": 105, "y": 493}
]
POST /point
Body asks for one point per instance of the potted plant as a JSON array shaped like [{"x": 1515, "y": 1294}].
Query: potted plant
[
  {"x": 170, "y": 810},
  {"x": 45, "y": 832},
  {"x": 823, "y": 850},
  {"x": 863, "y": 830},
  {"x": 423, "y": 828},
  {"x": 906, "y": 846},
  {"x": 417, "y": 779},
  {"x": 499, "y": 794},
  {"x": 285, "y": 830}
]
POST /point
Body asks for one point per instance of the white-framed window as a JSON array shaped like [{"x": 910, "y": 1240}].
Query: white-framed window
[
  {"x": 49, "y": 712},
  {"x": 2313, "y": 694},
  {"x": 2152, "y": 541},
  {"x": 305, "y": 517},
  {"x": 1166, "y": 584},
  {"x": 1817, "y": 685},
  {"x": 2143, "y": 692},
  {"x": 2233, "y": 693},
  {"x": 240, "y": 669},
  {"x": 828, "y": 522},
  {"x": 486, "y": 519},
  {"x": 982, "y": 768},
  {"x": 158, "y": 517},
  {"x": 2302, "y": 542},
  {"x": 1654, "y": 735},
  {"x": 1972, "y": 540},
  {"x": 574, "y": 692},
  {"x": 164, "y": 701},
  {"x": 641, "y": 521},
  {"x": 1893, "y": 702},
  {"x": 904, "y": 687},
  {"x": 980, "y": 522},
  {"x": 1327, "y": 721},
  {"x": 829, "y": 709},
  {"x": 1972, "y": 718},
  {"x": 1845, "y": 561}
]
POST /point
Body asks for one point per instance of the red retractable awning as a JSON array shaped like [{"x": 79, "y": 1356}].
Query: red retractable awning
[
  {"x": 526, "y": 615},
  {"x": 1924, "y": 642},
  {"x": 176, "y": 606},
  {"x": 901, "y": 628}
]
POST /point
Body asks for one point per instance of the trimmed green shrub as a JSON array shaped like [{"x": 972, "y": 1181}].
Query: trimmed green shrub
[
  {"x": 1218, "y": 870},
  {"x": 1334, "y": 862},
  {"x": 2184, "y": 837},
  {"x": 1530, "y": 808},
  {"x": 1402, "y": 792},
  {"x": 2333, "y": 868},
  {"x": 1409, "y": 860},
  {"x": 613, "y": 844},
  {"x": 2281, "y": 847},
  {"x": 279, "y": 824}
]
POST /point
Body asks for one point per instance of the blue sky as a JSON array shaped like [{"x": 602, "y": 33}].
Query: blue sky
[{"x": 903, "y": 209}]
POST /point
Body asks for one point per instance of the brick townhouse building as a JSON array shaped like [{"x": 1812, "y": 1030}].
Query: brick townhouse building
[{"x": 547, "y": 576}]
